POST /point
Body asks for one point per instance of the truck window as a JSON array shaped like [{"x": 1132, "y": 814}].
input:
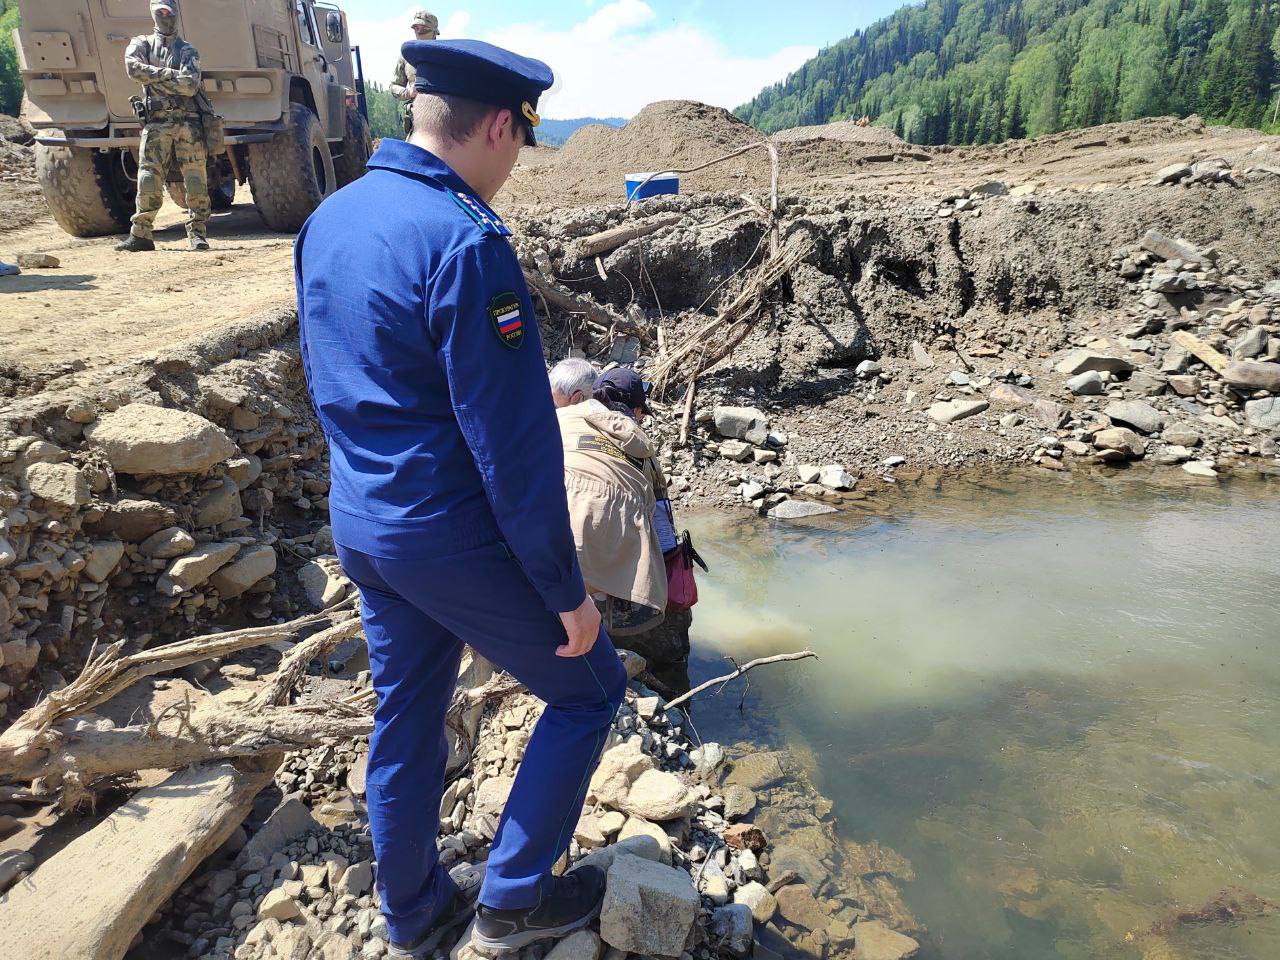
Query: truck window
[{"x": 304, "y": 24}]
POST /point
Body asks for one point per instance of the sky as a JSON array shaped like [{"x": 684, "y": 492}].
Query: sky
[{"x": 611, "y": 57}]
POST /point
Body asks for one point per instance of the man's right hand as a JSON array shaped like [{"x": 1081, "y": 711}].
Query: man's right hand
[{"x": 582, "y": 627}]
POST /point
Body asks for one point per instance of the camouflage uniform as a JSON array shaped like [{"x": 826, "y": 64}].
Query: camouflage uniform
[
  {"x": 405, "y": 75},
  {"x": 169, "y": 70}
]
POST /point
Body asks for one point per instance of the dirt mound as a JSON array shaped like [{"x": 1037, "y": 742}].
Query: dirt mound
[
  {"x": 17, "y": 150},
  {"x": 845, "y": 131}
]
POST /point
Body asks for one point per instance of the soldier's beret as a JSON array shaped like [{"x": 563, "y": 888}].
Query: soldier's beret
[{"x": 480, "y": 71}]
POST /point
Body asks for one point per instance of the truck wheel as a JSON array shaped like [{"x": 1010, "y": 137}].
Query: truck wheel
[
  {"x": 87, "y": 191},
  {"x": 222, "y": 190},
  {"x": 357, "y": 146},
  {"x": 291, "y": 173}
]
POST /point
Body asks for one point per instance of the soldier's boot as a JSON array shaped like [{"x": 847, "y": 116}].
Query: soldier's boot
[
  {"x": 136, "y": 244},
  {"x": 197, "y": 242}
]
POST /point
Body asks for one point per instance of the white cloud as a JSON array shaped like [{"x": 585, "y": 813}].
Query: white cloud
[{"x": 611, "y": 63}]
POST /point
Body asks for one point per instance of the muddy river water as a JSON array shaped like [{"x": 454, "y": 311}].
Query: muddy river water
[{"x": 1061, "y": 702}]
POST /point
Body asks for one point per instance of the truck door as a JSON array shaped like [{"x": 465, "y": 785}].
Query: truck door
[
  {"x": 330, "y": 101},
  {"x": 116, "y": 22},
  {"x": 336, "y": 42}
]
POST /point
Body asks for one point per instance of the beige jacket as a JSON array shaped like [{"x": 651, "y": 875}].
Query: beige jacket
[{"x": 609, "y": 473}]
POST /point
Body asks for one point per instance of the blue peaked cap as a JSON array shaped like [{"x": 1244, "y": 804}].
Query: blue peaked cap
[{"x": 480, "y": 71}]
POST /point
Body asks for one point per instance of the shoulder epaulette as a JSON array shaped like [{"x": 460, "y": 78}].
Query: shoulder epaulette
[{"x": 488, "y": 222}]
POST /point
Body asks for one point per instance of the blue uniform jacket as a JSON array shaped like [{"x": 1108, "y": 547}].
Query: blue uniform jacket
[{"x": 424, "y": 362}]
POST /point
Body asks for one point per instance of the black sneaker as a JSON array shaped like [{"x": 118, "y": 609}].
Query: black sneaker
[
  {"x": 135, "y": 244},
  {"x": 572, "y": 903},
  {"x": 469, "y": 879}
]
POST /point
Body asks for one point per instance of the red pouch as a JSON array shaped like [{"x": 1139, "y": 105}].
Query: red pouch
[{"x": 682, "y": 586}]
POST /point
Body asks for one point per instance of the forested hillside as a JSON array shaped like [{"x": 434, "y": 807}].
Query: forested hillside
[
  {"x": 10, "y": 80},
  {"x": 980, "y": 71}
]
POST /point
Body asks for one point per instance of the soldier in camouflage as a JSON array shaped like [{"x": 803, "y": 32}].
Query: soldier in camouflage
[
  {"x": 425, "y": 27},
  {"x": 169, "y": 70}
]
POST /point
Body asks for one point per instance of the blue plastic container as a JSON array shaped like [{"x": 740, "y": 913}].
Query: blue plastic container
[{"x": 668, "y": 183}]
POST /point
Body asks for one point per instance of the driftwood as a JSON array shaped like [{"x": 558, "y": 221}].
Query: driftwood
[
  {"x": 719, "y": 336},
  {"x": 89, "y": 900},
  {"x": 609, "y": 240},
  {"x": 729, "y": 677},
  {"x": 110, "y": 672},
  {"x": 1210, "y": 357}
]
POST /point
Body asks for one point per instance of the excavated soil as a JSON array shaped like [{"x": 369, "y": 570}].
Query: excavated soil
[{"x": 20, "y": 199}]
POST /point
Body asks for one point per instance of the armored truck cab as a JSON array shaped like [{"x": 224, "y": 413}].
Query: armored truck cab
[{"x": 282, "y": 74}]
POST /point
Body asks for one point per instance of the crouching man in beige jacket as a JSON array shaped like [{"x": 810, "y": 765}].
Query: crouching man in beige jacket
[{"x": 612, "y": 481}]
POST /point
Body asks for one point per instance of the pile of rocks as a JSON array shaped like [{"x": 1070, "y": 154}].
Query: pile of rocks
[
  {"x": 135, "y": 509},
  {"x": 682, "y": 834}
]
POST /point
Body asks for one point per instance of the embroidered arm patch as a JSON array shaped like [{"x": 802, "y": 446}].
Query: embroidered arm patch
[{"x": 506, "y": 315}]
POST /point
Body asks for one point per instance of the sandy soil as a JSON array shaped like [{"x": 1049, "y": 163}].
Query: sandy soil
[{"x": 101, "y": 306}]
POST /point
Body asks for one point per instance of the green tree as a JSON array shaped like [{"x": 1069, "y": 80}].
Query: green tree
[
  {"x": 384, "y": 112},
  {"x": 10, "y": 78}
]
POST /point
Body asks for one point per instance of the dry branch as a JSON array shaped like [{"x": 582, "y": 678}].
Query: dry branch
[
  {"x": 609, "y": 240},
  {"x": 729, "y": 677},
  {"x": 294, "y": 665},
  {"x": 110, "y": 672},
  {"x": 721, "y": 335}
]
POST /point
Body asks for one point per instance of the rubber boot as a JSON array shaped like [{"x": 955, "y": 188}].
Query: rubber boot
[{"x": 136, "y": 244}]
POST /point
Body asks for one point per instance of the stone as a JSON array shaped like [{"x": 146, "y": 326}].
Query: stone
[
  {"x": 288, "y": 821},
  {"x": 1077, "y": 448},
  {"x": 733, "y": 927},
  {"x": 218, "y": 505},
  {"x": 751, "y": 491},
  {"x": 1263, "y": 414},
  {"x": 196, "y": 567},
  {"x": 140, "y": 439},
  {"x": 952, "y": 411},
  {"x": 42, "y": 451},
  {"x": 1009, "y": 396},
  {"x": 643, "y": 845},
  {"x": 357, "y": 881},
  {"x": 992, "y": 188},
  {"x": 1087, "y": 384},
  {"x": 738, "y": 802},
  {"x": 1181, "y": 436},
  {"x": 757, "y": 898},
  {"x": 742, "y": 423},
  {"x": 38, "y": 261},
  {"x": 1050, "y": 413},
  {"x": 800, "y": 908},
  {"x": 756, "y": 771},
  {"x": 611, "y": 821},
  {"x": 589, "y": 834},
  {"x": 808, "y": 472},
  {"x": 7, "y": 556},
  {"x": 920, "y": 355},
  {"x": 101, "y": 559},
  {"x": 619, "y": 767},
  {"x": 658, "y": 796},
  {"x": 736, "y": 450},
  {"x": 1175, "y": 360},
  {"x": 1201, "y": 468},
  {"x": 168, "y": 543},
  {"x": 1173, "y": 173},
  {"x": 251, "y": 565},
  {"x": 1146, "y": 384},
  {"x": 278, "y": 905},
  {"x": 958, "y": 378},
  {"x": 867, "y": 369},
  {"x": 1134, "y": 413},
  {"x": 1122, "y": 440},
  {"x": 323, "y": 582},
  {"x": 491, "y": 796},
  {"x": 648, "y": 908},
  {"x": 133, "y": 521},
  {"x": 1165, "y": 248},
  {"x": 1252, "y": 343},
  {"x": 1185, "y": 385},
  {"x": 1253, "y": 375},
  {"x": 580, "y": 945},
  {"x": 875, "y": 940},
  {"x": 1083, "y": 361},
  {"x": 835, "y": 477},
  {"x": 799, "y": 509},
  {"x": 59, "y": 484}
]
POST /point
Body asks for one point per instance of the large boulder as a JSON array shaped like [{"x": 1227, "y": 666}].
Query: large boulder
[
  {"x": 874, "y": 940},
  {"x": 59, "y": 484},
  {"x": 1082, "y": 361},
  {"x": 196, "y": 567},
  {"x": 1121, "y": 439},
  {"x": 733, "y": 926},
  {"x": 1142, "y": 417},
  {"x": 1263, "y": 414},
  {"x": 1253, "y": 375},
  {"x": 140, "y": 439},
  {"x": 658, "y": 796},
  {"x": 133, "y": 520},
  {"x": 648, "y": 908},
  {"x": 251, "y": 565},
  {"x": 742, "y": 423}
]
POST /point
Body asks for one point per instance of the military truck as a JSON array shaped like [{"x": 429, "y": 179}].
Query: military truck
[{"x": 282, "y": 74}]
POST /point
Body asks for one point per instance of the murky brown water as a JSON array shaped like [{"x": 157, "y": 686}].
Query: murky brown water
[{"x": 1061, "y": 702}]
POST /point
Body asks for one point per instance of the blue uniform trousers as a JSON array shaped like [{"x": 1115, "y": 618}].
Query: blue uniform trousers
[{"x": 418, "y": 613}]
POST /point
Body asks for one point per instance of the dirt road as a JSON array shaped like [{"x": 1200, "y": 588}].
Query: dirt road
[{"x": 102, "y": 307}]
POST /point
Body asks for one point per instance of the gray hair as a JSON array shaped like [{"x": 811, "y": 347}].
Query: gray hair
[{"x": 573, "y": 376}]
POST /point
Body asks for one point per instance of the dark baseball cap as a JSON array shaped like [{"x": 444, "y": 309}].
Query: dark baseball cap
[{"x": 624, "y": 385}]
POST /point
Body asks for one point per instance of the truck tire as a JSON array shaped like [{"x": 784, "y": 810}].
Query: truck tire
[
  {"x": 291, "y": 173},
  {"x": 357, "y": 147},
  {"x": 222, "y": 191},
  {"x": 88, "y": 194}
]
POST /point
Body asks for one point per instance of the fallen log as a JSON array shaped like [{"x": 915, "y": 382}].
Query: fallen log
[
  {"x": 609, "y": 240},
  {"x": 89, "y": 900}
]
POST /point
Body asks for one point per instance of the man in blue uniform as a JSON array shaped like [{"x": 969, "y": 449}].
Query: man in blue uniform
[{"x": 424, "y": 362}]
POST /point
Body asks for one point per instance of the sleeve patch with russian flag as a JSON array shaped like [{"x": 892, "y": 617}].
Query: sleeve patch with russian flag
[{"x": 506, "y": 313}]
